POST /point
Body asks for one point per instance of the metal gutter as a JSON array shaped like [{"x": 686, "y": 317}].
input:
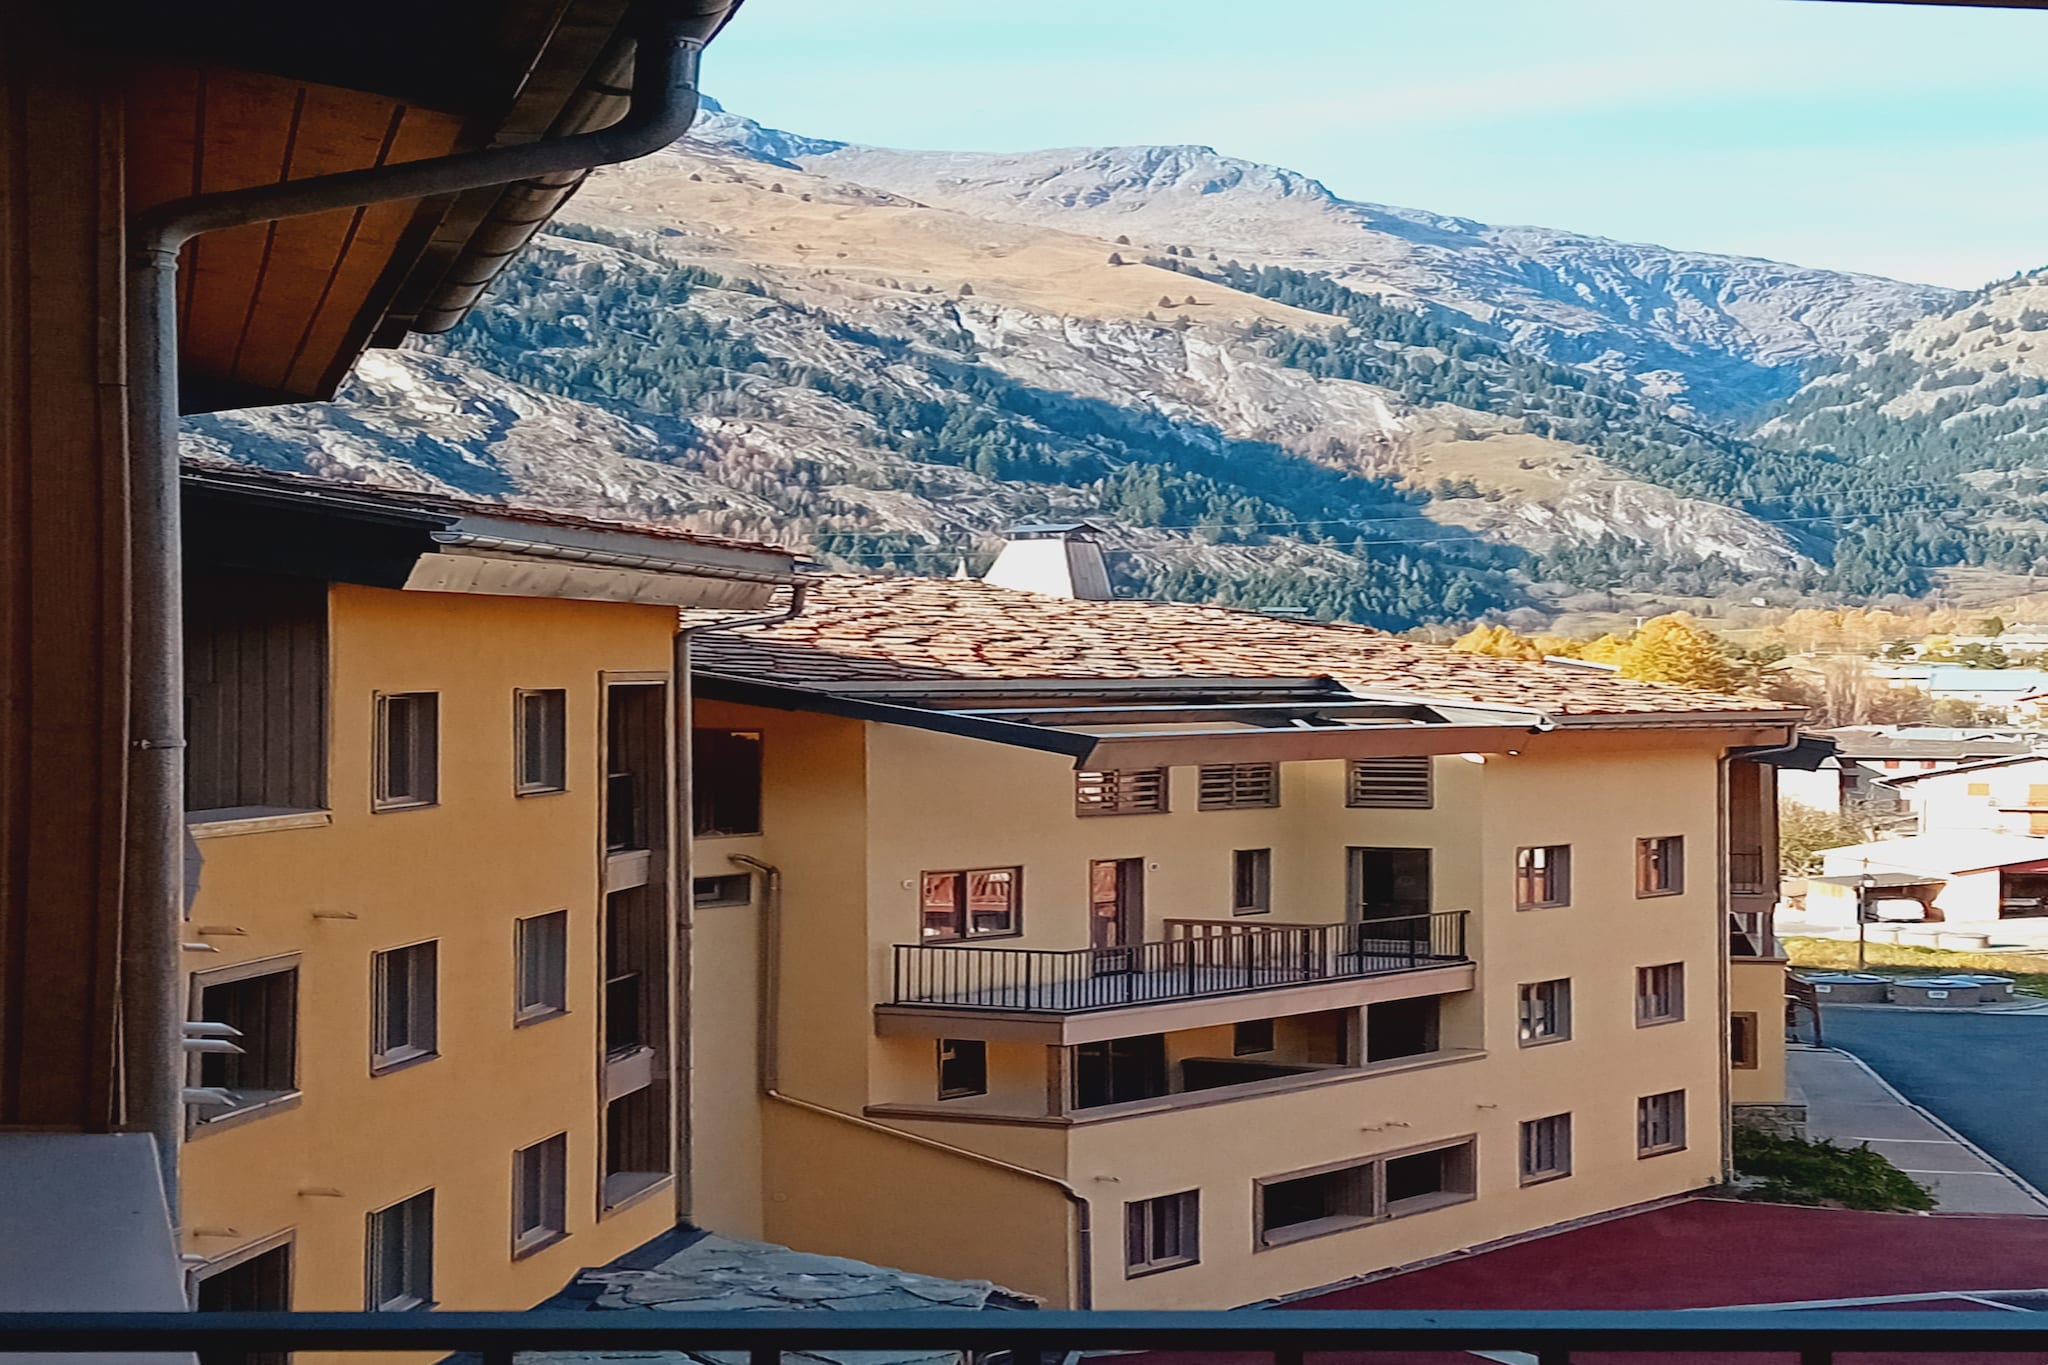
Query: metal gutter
[
  {"x": 781, "y": 697},
  {"x": 669, "y": 38}
]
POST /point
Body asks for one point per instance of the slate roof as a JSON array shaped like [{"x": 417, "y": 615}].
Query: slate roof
[{"x": 861, "y": 630}]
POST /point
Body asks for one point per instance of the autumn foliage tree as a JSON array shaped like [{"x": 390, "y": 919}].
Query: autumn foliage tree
[{"x": 1677, "y": 649}]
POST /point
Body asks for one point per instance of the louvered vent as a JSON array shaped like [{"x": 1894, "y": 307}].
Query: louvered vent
[
  {"x": 1134, "y": 791},
  {"x": 1240, "y": 786},
  {"x": 1400, "y": 783}
]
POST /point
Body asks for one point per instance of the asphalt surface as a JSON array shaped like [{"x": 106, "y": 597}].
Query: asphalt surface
[{"x": 1985, "y": 1075}]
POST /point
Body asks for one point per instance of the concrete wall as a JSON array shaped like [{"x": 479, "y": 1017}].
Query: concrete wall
[{"x": 460, "y": 873}]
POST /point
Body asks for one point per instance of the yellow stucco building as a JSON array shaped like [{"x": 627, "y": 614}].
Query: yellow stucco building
[
  {"x": 431, "y": 957},
  {"x": 1137, "y": 955}
]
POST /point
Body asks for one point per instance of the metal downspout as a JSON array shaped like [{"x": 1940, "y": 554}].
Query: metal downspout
[
  {"x": 669, "y": 39},
  {"x": 685, "y": 910},
  {"x": 768, "y": 1033}
]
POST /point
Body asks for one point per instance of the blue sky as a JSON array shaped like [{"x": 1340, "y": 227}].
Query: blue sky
[{"x": 1902, "y": 140}]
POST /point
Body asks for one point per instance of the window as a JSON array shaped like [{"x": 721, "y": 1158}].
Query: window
[
  {"x": 540, "y": 738},
  {"x": 1251, "y": 881},
  {"x": 401, "y": 1256},
  {"x": 405, "y": 1024},
  {"x": 1546, "y": 1148},
  {"x": 1543, "y": 876},
  {"x": 540, "y": 943},
  {"x": 710, "y": 892},
  {"x": 1118, "y": 1070},
  {"x": 1401, "y": 1028},
  {"x": 1660, "y": 994},
  {"x": 1139, "y": 791},
  {"x": 1743, "y": 1041},
  {"x": 256, "y": 1279},
  {"x": 1546, "y": 1011},
  {"x": 1251, "y": 1037},
  {"x": 408, "y": 750},
  {"x": 963, "y": 1068},
  {"x": 1239, "y": 786},
  {"x": 637, "y": 1152},
  {"x": 725, "y": 782},
  {"x": 1978, "y": 789},
  {"x": 260, "y": 1001},
  {"x": 1162, "y": 1233},
  {"x": 984, "y": 902},
  {"x": 1304, "y": 1206},
  {"x": 1660, "y": 1123},
  {"x": 540, "y": 1194},
  {"x": 1390, "y": 783},
  {"x": 1660, "y": 866},
  {"x": 1315, "y": 1203}
]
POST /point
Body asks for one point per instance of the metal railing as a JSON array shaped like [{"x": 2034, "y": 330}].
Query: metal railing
[
  {"x": 1186, "y": 968},
  {"x": 1027, "y": 1338},
  {"x": 1747, "y": 875}
]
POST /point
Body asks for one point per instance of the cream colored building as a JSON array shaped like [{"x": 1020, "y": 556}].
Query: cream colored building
[
  {"x": 1139, "y": 955},
  {"x": 430, "y": 961}
]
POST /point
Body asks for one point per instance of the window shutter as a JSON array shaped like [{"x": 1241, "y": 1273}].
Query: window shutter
[
  {"x": 1239, "y": 786},
  {"x": 1135, "y": 791},
  {"x": 1391, "y": 783}
]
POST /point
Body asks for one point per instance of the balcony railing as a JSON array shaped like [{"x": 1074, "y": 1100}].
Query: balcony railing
[
  {"x": 1747, "y": 875},
  {"x": 1028, "y": 1338},
  {"x": 1185, "y": 968}
]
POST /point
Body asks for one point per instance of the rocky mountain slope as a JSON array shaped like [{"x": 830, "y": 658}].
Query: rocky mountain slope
[
  {"x": 1720, "y": 333},
  {"x": 732, "y": 336}
]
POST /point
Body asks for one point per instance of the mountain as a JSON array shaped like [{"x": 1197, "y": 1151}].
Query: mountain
[
  {"x": 1721, "y": 333},
  {"x": 733, "y": 336}
]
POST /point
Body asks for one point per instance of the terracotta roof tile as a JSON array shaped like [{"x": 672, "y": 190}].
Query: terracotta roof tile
[{"x": 856, "y": 629}]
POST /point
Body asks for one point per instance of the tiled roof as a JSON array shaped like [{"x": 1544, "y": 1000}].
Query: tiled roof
[
  {"x": 228, "y": 474},
  {"x": 878, "y": 630}
]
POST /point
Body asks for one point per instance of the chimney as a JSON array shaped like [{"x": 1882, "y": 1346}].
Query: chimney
[{"x": 1057, "y": 558}]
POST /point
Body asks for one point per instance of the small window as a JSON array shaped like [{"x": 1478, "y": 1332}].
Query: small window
[
  {"x": 1390, "y": 783},
  {"x": 540, "y": 943},
  {"x": 710, "y": 892},
  {"x": 1543, "y": 876},
  {"x": 540, "y": 1194},
  {"x": 1251, "y": 881},
  {"x": 982, "y": 902},
  {"x": 963, "y": 1068},
  {"x": 1546, "y": 1148},
  {"x": 261, "y": 1003},
  {"x": 1251, "y": 1037},
  {"x": 1427, "y": 1180},
  {"x": 1118, "y": 1070},
  {"x": 406, "y": 987},
  {"x": 401, "y": 1256},
  {"x": 1162, "y": 1233},
  {"x": 1546, "y": 1015},
  {"x": 1660, "y": 866},
  {"x": 725, "y": 782},
  {"x": 1239, "y": 786},
  {"x": 1978, "y": 789},
  {"x": 1305, "y": 1206},
  {"x": 1136, "y": 791},
  {"x": 1660, "y": 994},
  {"x": 1743, "y": 1041},
  {"x": 1660, "y": 1123},
  {"x": 540, "y": 738},
  {"x": 408, "y": 750}
]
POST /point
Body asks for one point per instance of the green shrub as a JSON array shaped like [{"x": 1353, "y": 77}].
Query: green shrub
[{"x": 1795, "y": 1171}]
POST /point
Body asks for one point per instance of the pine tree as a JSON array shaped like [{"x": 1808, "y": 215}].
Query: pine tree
[{"x": 1116, "y": 258}]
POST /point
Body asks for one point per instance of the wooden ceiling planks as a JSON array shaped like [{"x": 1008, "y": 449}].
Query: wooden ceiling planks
[{"x": 269, "y": 308}]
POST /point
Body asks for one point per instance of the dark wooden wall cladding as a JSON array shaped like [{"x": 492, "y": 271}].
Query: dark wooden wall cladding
[
  {"x": 256, "y": 692},
  {"x": 63, "y": 591}
]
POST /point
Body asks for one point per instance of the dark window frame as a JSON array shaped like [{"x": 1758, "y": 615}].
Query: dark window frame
[
  {"x": 1647, "y": 1121},
  {"x": 550, "y": 746},
  {"x": 1552, "y": 1132},
  {"x": 1162, "y": 1233},
  {"x": 1660, "y": 994},
  {"x": 540, "y": 1218},
  {"x": 1745, "y": 1040},
  {"x": 419, "y": 770},
  {"x": 405, "y": 990},
  {"x": 962, "y": 1067},
  {"x": 1660, "y": 866},
  {"x": 411, "y": 1220},
  {"x": 719, "y": 808},
  {"x": 529, "y": 950},
  {"x": 1251, "y": 1037},
  {"x": 1543, "y": 876},
  {"x": 722, "y": 892},
  {"x": 963, "y": 904},
  {"x": 1556, "y": 1009},
  {"x": 220, "y": 1070},
  {"x": 1251, "y": 881}
]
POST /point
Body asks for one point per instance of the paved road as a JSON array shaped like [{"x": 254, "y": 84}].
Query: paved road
[{"x": 1985, "y": 1075}]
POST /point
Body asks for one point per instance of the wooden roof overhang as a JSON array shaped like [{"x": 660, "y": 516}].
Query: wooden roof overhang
[{"x": 240, "y": 93}]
